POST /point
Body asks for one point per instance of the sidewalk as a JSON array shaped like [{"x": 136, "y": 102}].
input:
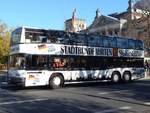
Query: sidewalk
[
  {"x": 146, "y": 78},
  {"x": 147, "y": 75},
  {"x": 3, "y": 72}
]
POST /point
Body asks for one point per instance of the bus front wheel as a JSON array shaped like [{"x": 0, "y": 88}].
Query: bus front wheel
[{"x": 56, "y": 81}]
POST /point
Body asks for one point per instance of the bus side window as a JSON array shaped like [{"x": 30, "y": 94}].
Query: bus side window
[
  {"x": 22, "y": 64},
  {"x": 131, "y": 44},
  {"x": 91, "y": 41},
  {"x": 59, "y": 62},
  {"x": 44, "y": 39},
  {"x": 109, "y": 42},
  {"x": 122, "y": 43},
  {"x": 139, "y": 44},
  {"x": 99, "y": 41},
  {"x": 55, "y": 62}
]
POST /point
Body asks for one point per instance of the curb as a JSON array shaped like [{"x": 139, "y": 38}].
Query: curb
[{"x": 146, "y": 78}]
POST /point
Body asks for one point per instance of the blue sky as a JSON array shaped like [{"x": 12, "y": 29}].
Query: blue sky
[{"x": 52, "y": 13}]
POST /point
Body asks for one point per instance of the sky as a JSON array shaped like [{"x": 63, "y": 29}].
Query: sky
[{"x": 51, "y": 14}]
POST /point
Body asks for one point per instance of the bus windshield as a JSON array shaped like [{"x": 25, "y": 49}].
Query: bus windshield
[
  {"x": 36, "y": 62},
  {"x": 16, "y": 36},
  {"x": 17, "y": 61},
  {"x": 20, "y": 61}
]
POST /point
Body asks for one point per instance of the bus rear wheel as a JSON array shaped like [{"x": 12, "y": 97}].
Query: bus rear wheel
[
  {"x": 127, "y": 77},
  {"x": 56, "y": 81},
  {"x": 115, "y": 78}
]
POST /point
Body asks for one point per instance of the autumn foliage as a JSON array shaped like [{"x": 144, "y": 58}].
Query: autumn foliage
[{"x": 4, "y": 43}]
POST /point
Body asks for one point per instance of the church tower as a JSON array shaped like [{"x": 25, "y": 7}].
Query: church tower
[
  {"x": 98, "y": 14},
  {"x": 131, "y": 9}
]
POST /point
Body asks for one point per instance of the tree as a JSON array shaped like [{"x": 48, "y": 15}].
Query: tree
[{"x": 4, "y": 42}]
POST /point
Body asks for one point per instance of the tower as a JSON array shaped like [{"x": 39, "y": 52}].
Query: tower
[
  {"x": 97, "y": 14},
  {"x": 73, "y": 20},
  {"x": 131, "y": 9},
  {"x": 75, "y": 24}
]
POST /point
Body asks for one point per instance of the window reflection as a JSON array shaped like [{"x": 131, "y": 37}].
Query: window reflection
[
  {"x": 16, "y": 36},
  {"x": 17, "y": 61}
]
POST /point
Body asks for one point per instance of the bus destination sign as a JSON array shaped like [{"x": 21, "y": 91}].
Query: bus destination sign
[
  {"x": 90, "y": 51},
  {"x": 130, "y": 53}
]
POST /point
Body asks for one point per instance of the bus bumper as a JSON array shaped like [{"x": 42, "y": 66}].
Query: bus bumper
[
  {"x": 138, "y": 75},
  {"x": 16, "y": 81}
]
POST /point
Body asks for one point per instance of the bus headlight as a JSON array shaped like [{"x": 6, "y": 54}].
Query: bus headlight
[{"x": 17, "y": 74}]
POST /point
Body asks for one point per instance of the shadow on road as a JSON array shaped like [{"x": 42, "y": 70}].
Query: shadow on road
[
  {"x": 60, "y": 105},
  {"x": 94, "y": 85},
  {"x": 22, "y": 103},
  {"x": 138, "y": 90}
]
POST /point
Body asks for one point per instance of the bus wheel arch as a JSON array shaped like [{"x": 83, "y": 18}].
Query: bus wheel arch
[
  {"x": 56, "y": 80},
  {"x": 116, "y": 77},
  {"x": 127, "y": 76}
]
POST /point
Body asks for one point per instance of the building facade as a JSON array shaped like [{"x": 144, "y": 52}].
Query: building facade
[
  {"x": 106, "y": 25},
  {"x": 75, "y": 24},
  {"x": 79, "y": 24},
  {"x": 133, "y": 23}
]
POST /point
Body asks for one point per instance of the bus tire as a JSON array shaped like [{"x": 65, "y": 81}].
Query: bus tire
[
  {"x": 56, "y": 81},
  {"x": 116, "y": 77},
  {"x": 127, "y": 77}
]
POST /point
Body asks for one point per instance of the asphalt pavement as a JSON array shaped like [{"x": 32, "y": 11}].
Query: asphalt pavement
[{"x": 102, "y": 97}]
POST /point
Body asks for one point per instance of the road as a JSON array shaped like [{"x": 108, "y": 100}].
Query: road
[{"x": 78, "y": 98}]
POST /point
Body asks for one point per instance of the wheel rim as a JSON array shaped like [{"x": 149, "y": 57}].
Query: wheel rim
[
  {"x": 56, "y": 81},
  {"x": 127, "y": 77},
  {"x": 115, "y": 78}
]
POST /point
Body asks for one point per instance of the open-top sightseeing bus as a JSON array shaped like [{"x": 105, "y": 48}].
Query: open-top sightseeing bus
[{"x": 51, "y": 57}]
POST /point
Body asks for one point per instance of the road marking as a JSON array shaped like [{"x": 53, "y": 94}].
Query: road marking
[
  {"x": 120, "y": 91},
  {"x": 24, "y": 101},
  {"x": 147, "y": 103},
  {"x": 114, "y": 110},
  {"x": 5, "y": 91},
  {"x": 145, "y": 84},
  {"x": 103, "y": 93}
]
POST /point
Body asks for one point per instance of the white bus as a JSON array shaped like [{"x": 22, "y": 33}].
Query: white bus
[{"x": 50, "y": 57}]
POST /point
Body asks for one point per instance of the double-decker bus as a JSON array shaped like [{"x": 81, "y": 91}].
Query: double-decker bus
[{"x": 52, "y": 57}]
